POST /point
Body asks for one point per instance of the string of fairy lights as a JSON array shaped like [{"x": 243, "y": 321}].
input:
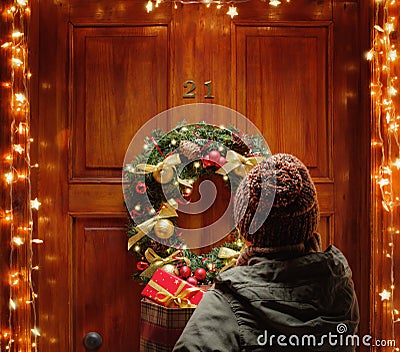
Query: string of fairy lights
[
  {"x": 219, "y": 4},
  {"x": 22, "y": 332},
  {"x": 385, "y": 98}
]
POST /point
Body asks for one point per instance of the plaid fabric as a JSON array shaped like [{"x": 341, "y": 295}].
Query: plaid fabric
[
  {"x": 161, "y": 327},
  {"x": 148, "y": 346}
]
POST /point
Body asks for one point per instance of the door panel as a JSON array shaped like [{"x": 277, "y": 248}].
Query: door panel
[
  {"x": 103, "y": 285},
  {"x": 282, "y": 86},
  {"x": 283, "y": 75},
  {"x": 119, "y": 82},
  {"x": 120, "y": 67}
]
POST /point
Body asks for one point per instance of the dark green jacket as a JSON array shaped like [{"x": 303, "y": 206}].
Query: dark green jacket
[{"x": 303, "y": 302}]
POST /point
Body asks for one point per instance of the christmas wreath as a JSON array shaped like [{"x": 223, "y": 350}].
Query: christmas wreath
[{"x": 162, "y": 176}]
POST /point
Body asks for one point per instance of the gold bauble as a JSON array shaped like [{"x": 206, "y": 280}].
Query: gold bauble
[
  {"x": 164, "y": 228},
  {"x": 164, "y": 175},
  {"x": 169, "y": 268}
]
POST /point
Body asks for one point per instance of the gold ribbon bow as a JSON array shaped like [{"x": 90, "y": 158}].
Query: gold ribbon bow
[
  {"x": 167, "y": 211},
  {"x": 230, "y": 255},
  {"x": 169, "y": 162},
  {"x": 239, "y": 163},
  {"x": 156, "y": 261},
  {"x": 179, "y": 297}
]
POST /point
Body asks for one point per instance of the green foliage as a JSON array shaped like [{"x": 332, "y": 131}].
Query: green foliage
[{"x": 145, "y": 205}]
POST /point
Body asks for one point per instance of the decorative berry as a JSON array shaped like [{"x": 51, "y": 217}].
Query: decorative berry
[
  {"x": 141, "y": 188},
  {"x": 214, "y": 155},
  {"x": 200, "y": 274},
  {"x": 142, "y": 265},
  {"x": 187, "y": 193},
  {"x": 185, "y": 271},
  {"x": 192, "y": 280}
]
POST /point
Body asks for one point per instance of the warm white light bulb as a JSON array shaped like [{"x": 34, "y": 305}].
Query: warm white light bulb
[
  {"x": 18, "y": 148},
  {"x": 18, "y": 241},
  {"x": 9, "y": 177},
  {"x": 17, "y": 34},
  {"x": 232, "y": 11},
  {"x": 369, "y": 55},
  {"x": 392, "y": 55},
  {"x": 385, "y": 295},
  {"x": 392, "y": 91},
  {"x": 35, "y": 204},
  {"x": 35, "y": 331},
  {"x": 19, "y": 97},
  {"x": 383, "y": 182},
  {"x": 149, "y": 6},
  {"x": 13, "y": 305},
  {"x": 389, "y": 27},
  {"x": 274, "y": 3}
]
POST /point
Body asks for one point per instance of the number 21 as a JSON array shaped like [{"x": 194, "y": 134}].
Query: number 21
[{"x": 191, "y": 86}]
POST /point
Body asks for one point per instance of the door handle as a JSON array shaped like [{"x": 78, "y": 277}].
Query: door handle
[{"x": 92, "y": 341}]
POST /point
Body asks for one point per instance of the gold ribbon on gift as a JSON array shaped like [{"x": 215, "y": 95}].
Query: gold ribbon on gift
[
  {"x": 156, "y": 261},
  {"x": 169, "y": 162},
  {"x": 167, "y": 211},
  {"x": 179, "y": 297},
  {"x": 239, "y": 163},
  {"x": 230, "y": 255}
]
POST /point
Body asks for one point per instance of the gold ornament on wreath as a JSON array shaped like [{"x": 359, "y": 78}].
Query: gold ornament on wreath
[
  {"x": 161, "y": 177},
  {"x": 164, "y": 228}
]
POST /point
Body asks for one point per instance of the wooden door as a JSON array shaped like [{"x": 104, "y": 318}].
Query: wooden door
[{"x": 105, "y": 68}]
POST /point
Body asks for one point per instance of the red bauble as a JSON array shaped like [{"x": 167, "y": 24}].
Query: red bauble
[
  {"x": 207, "y": 162},
  {"x": 200, "y": 274},
  {"x": 185, "y": 271},
  {"x": 192, "y": 280},
  {"x": 214, "y": 155},
  {"x": 222, "y": 161},
  {"x": 142, "y": 265}
]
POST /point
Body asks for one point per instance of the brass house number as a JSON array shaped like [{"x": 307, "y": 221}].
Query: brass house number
[{"x": 191, "y": 89}]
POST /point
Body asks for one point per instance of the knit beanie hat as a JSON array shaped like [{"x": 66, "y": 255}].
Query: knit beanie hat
[{"x": 276, "y": 203}]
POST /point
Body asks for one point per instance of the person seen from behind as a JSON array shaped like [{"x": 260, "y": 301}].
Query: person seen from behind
[{"x": 285, "y": 294}]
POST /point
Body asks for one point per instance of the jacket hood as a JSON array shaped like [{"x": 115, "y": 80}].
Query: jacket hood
[{"x": 308, "y": 295}]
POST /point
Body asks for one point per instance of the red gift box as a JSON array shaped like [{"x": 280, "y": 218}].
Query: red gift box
[{"x": 171, "y": 291}]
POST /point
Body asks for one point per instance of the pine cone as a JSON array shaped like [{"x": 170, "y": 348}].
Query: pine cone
[
  {"x": 239, "y": 145},
  {"x": 190, "y": 149}
]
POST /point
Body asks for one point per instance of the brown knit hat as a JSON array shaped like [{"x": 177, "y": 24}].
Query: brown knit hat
[{"x": 276, "y": 203}]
